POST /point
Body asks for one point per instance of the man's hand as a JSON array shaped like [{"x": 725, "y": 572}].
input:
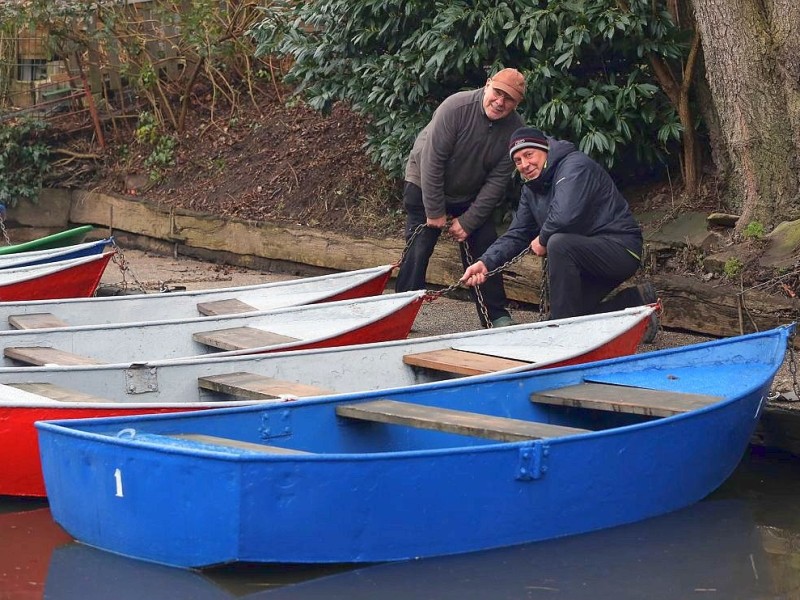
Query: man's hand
[
  {"x": 438, "y": 222},
  {"x": 475, "y": 274},
  {"x": 537, "y": 247},
  {"x": 457, "y": 232}
]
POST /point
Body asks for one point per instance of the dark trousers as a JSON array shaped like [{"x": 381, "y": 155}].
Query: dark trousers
[
  {"x": 583, "y": 270},
  {"x": 411, "y": 275}
]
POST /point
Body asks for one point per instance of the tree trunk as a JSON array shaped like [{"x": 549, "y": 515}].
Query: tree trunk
[
  {"x": 785, "y": 17},
  {"x": 751, "y": 98}
]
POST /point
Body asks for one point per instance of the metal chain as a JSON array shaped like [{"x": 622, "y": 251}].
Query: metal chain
[
  {"x": 478, "y": 294},
  {"x": 431, "y": 296},
  {"x": 509, "y": 262},
  {"x": 458, "y": 284},
  {"x": 121, "y": 261},
  {"x": 410, "y": 241}
]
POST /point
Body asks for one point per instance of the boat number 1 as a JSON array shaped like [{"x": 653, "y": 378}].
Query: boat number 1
[{"x": 118, "y": 479}]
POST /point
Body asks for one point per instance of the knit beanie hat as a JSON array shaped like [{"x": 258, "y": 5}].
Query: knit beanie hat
[
  {"x": 527, "y": 137},
  {"x": 511, "y": 82}
]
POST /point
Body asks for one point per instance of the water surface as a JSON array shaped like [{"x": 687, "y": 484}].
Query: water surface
[{"x": 743, "y": 542}]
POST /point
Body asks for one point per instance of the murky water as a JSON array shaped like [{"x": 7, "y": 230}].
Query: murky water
[{"x": 741, "y": 543}]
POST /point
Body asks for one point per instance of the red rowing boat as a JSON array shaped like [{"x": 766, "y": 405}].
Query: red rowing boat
[{"x": 74, "y": 278}]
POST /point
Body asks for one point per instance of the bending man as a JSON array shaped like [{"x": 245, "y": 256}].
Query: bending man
[{"x": 459, "y": 167}]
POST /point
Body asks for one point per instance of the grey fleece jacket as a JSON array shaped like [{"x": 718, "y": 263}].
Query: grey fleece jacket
[
  {"x": 573, "y": 194},
  {"x": 462, "y": 157}
]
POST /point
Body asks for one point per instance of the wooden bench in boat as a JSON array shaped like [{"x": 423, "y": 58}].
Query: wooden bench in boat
[
  {"x": 43, "y": 355},
  {"x": 55, "y": 392},
  {"x": 35, "y": 321},
  {"x": 461, "y": 362},
  {"x": 257, "y": 387},
  {"x": 625, "y": 399},
  {"x": 453, "y": 421},
  {"x": 231, "y": 443},
  {"x": 230, "y": 306},
  {"x": 240, "y": 338}
]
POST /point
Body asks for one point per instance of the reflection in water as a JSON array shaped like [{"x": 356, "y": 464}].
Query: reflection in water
[
  {"x": 27, "y": 538},
  {"x": 742, "y": 543},
  {"x": 711, "y": 548}
]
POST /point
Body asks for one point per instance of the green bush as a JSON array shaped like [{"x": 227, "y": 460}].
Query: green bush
[
  {"x": 754, "y": 231},
  {"x": 586, "y": 65},
  {"x": 161, "y": 146},
  {"x": 23, "y": 160},
  {"x": 733, "y": 267}
]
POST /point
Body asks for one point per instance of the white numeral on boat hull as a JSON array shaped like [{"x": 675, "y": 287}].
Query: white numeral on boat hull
[{"x": 118, "y": 479}]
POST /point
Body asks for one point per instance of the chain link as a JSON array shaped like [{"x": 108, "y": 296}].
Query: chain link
[
  {"x": 459, "y": 284},
  {"x": 121, "y": 261},
  {"x": 430, "y": 296},
  {"x": 419, "y": 228},
  {"x": 478, "y": 294}
]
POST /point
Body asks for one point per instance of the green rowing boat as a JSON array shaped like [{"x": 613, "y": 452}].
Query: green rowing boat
[{"x": 57, "y": 240}]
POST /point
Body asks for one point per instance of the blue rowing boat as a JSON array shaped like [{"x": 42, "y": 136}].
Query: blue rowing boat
[
  {"x": 435, "y": 469},
  {"x": 41, "y": 257}
]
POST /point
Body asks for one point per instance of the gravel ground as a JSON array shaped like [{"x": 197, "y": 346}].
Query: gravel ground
[{"x": 139, "y": 270}]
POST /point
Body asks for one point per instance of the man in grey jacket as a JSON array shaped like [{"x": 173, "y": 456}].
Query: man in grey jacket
[
  {"x": 459, "y": 167},
  {"x": 571, "y": 211}
]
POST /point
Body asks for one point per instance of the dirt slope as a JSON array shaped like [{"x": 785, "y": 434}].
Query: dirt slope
[{"x": 270, "y": 162}]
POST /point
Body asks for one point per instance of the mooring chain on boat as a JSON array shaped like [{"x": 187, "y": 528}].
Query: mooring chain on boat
[
  {"x": 478, "y": 294},
  {"x": 121, "y": 261},
  {"x": 459, "y": 284},
  {"x": 431, "y": 296},
  {"x": 410, "y": 241}
]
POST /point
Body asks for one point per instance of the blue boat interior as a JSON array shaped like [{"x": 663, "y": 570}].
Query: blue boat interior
[
  {"x": 502, "y": 408},
  {"x": 482, "y": 414}
]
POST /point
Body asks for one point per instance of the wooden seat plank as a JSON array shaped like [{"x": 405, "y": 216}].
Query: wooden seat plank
[
  {"x": 42, "y": 355},
  {"x": 453, "y": 421},
  {"x": 240, "y": 338},
  {"x": 229, "y": 306},
  {"x": 257, "y": 387},
  {"x": 220, "y": 441},
  {"x": 55, "y": 392},
  {"x": 461, "y": 362},
  {"x": 625, "y": 399},
  {"x": 35, "y": 321}
]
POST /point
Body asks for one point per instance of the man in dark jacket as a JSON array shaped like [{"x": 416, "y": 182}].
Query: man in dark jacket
[
  {"x": 571, "y": 211},
  {"x": 459, "y": 167}
]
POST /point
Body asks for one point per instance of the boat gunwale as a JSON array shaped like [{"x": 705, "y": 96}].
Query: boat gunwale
[
  {"x": 635, "y": 315},
  {"x": 38, "y": 271},
  {"x": 411, "y": 296},
  {"x": 40, "y": 254},
  {"x": 199, "y": 292},
  {"x": 782, "y": 332},
  {"x": 227, "y": 357},
  {"x": 115, "y": 439}
]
